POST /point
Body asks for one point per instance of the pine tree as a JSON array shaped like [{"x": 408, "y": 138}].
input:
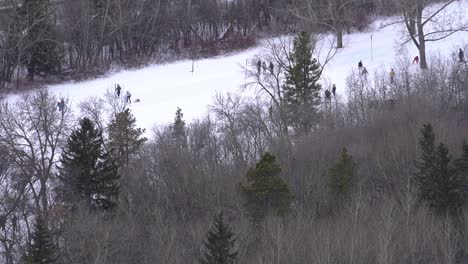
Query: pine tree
[
  {"x": 124, "y": 137},
  {"x": 42, "y": 249},
  {"x": 178, "y": 130},
  {"x": 301, "y": 89},
  {"x": 342, "y": 176},
  {"x": 441, "y": 183},
  {"x": 41, "y": 52},
  {"x": 265, "y": 190},
  {"x": 220, "y": 243},
  {"x": 88, "y": 172}
]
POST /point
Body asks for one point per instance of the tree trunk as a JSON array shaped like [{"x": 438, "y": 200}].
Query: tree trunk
[
  {"x": 422, "y": 42},
  {"x": 339, "y": 37},
  {"x": 421, "y": 39}
]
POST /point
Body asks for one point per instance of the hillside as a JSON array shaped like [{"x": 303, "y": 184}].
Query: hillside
[{"x": 163, "y": 88}]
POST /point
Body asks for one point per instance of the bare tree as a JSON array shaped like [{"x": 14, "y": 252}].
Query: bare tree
[
  {"x": 426, "y": 23},
  {"x": 33, "y": 131},
  {"x": 334, "y": 15}
]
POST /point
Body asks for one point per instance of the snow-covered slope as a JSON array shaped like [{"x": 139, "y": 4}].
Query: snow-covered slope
[{"x": 163, "y": 88}]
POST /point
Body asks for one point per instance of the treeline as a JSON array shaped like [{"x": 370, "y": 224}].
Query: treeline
[
  {"x": 292, "y": 177},
  {"x": 56, "y": 37},
  {"x": 72, "y": 39}
]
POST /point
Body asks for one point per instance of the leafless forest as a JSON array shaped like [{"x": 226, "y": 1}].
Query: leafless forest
[{"x": 172, "y": 183}]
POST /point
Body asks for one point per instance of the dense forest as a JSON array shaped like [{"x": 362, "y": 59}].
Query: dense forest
[
  {"x": 62, "y": 39},
  {"x": 297, "y": 175}
]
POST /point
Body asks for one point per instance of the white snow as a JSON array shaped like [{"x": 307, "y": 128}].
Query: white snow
[{"x": 163, "y": 88}]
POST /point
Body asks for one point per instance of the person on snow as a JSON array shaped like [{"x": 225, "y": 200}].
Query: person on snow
[
  {"x": 327, "y": 95},
  {"x": 264, "y": 67},
  {"x": 359, "y": 65},
  {"x": 392, "y": 76},
  {"x": 416, "y": 60},
  {"x": 61, "y": 105},
  {"x": 117, "y": 90},
  {"x": 461, "y": 55},
  {"x": 259, "y": 67},
  {"x": 129, "y": 97},
  {"x": 334, "y": 90},
  {"x": 272, "y": 68}
]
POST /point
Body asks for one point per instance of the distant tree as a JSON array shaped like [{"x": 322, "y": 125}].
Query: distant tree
[
  {"x": 42, "y": 249},
  {"x": 301, "y": 89},
  {"x": 442, "y": 184},
  {"x": 178, "y": 129},
  {"x": 265, "y": 190},
  {"x": 88, "y": 173},
  {"x": 342, "y": 176},
  {"x": 41, "y": 51},
  {"x": 124, "y": 137},
  {"x": 220, "y": 243}
]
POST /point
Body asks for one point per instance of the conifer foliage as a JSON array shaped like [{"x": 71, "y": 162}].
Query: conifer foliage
[
  {"x": 178, "y": 129},
  {"x": 124, "y": 137},
  {"x": 342, "y": 176},
  {"x": 441, "y": 182},
  {"x": 265, "y": 190},
  {"x": 40, "y": 49},
  {"x": 220, "y": 244},
  {"x": 42, "y": 249},
  {"x": 301, "y": 89},
  {"x": 88, "y": 173}
]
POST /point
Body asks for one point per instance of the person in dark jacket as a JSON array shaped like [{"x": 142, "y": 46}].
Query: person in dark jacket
[
  {"x": 461, "y": 55},
  {"x": 327, "y": 95},
  {"x": 272, "y": 68},
  {"x": 117, "y": 90},
  {"x": 416, "y": 60},
  {"x": 259, "y": 67},
  {"x": 61, "y": 105},
  {"x": 334, "y": 90}
]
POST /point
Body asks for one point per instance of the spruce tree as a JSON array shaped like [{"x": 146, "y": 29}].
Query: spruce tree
[
  {"x": 41, "y": 52},
  {"x": 265, "y": 190},
  {"x": 178, "y": 130},
  {"x": 88, "y": 173},
  {"x": 42, "y": 249},
  {"x": 220, "y": 243},
  {"x": 441, "y": 182},
  {"x": 124, "y": 137},
  {"x": 301, "y": 91},
  {"x": 342, "y": 176}
]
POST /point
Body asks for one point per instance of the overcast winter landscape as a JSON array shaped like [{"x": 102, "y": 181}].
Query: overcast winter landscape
[{"x": 242, "y": 131}]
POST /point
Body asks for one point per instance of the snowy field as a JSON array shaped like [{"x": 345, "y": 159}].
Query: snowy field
[{"x": 163, "y": 88}]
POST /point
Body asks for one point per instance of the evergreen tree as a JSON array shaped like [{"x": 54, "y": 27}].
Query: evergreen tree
[
  {"x": 342, "y": 176},
  {"x": 219, "y": 244},
  {"x": 88, "y": 172},
  {"x": 124, "y": 137},
  {"x": 265, "y": 190},
  {"x": 178, "y": 130},
  {"x": 42, "y": 249},
  {"x": 442, "y": 183},
  {"x": 301, "y": 89},
  {"x": 41, "y": 52}
]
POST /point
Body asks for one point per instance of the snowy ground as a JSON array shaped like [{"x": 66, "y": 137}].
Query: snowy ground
[{"x": 163, "y": 88}]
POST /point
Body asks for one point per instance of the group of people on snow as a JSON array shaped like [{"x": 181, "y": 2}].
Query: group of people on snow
[
  {"x": 262, "y": 65},
  {"x": 328, "y": 94},
  {"x": 392, "y": 74},
  {"x": 61, "y": 105},
  {"x": 128, "y": 95}
]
